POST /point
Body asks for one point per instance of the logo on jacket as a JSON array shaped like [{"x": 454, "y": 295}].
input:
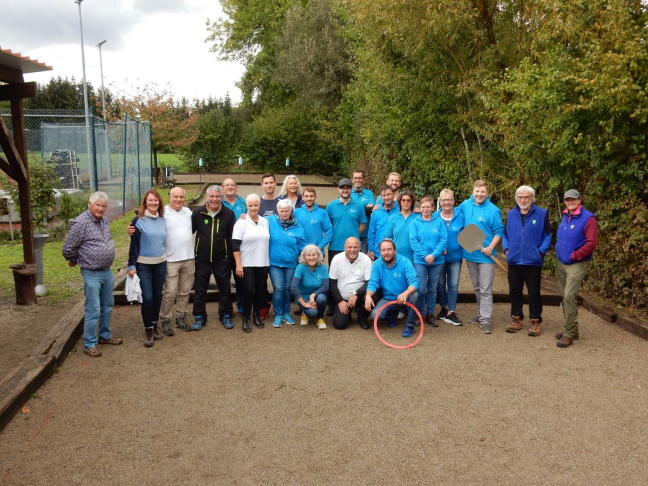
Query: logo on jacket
[
  {"x": 534, "y": 221},
  {"x": 206, "y": 221},
  {"x": 481, "y": 219}
]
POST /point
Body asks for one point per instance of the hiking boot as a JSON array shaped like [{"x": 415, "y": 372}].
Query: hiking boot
[
  {"x": 321, "y": 324},
  {"x": 112, "y": 340},
  {"x": 247, "y": 327},
  {"x": 181, "y": 324},
  {"x": 515, "y": 325},
  {"x": 534, "y": 328},
  {"x": 474, "y": 320},
  {"x": 93, "y": 352},
  {"x": 486, "y": 327},
  {"x": 148, "y": 341},
  {"x": 453, "y": 318},
  {"x": 227, "y": 322},
  {"x": 167, "y": 330},
  {"x": 304, "y": 320},
  {"x": 559, "y": 335},
  {"x": 258, "y": 322},
  {"x": 156, "y": 333},
  {"x": 442, "y": 314},
  {"x": 564, "y": 341},
  {"x": 277, "y": 321},
  {"x": 199, "y": 324}
]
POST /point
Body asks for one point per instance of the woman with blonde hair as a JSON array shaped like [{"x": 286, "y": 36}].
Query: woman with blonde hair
[{"x": 291, "y": 189}]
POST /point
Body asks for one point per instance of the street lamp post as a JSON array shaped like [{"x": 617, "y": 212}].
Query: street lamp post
[
  {"x": 103, "y": 93},
  {"x": 85, "y": 103}
]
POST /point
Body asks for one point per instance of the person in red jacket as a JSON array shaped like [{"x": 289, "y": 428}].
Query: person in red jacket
[{"x": 575, "y": 244}]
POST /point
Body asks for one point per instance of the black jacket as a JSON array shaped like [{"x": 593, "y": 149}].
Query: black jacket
[{"x": 213, "y": 235}]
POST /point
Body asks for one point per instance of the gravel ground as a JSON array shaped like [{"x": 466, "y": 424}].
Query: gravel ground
[{"x": 306, "y": 406}]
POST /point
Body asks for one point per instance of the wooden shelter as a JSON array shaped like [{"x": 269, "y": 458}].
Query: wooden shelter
[{"x": 14, "y": 89}]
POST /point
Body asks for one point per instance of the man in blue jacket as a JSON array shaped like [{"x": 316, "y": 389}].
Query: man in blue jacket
[
  {"x": 526, "y": 240},
  {"x": 315, "y": 221},
  {"x": 479, "y": 210},
  {"x": 396, "y": 278}
]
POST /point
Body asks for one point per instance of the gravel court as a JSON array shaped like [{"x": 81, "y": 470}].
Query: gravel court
[{"x": 306, "y": 406}]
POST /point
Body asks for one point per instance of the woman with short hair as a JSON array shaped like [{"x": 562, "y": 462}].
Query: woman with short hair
[{"x": 250, "y": 248}]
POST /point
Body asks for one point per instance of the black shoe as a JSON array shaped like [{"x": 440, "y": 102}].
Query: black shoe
[
  {"x": 364, "y": 323},
  {"x": 298, "y": 312},
  {"x": 247, "y": 325},
  {"x": 258, "y": 322},
  {"x": 329, "y": 312}
]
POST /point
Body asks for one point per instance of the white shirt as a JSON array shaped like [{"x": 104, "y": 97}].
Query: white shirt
[
  {"x": 255, "y": 241},
  {"x": 350, "y": 276},
  {"x": 178, "y": 244}
]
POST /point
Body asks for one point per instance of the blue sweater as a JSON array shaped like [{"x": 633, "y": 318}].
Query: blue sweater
[
  {"x": 378, "y": 227},
  {"x": 395, "y": 280},
  {"x": 364, "y": 197},
  {"x": 527, "y": 243},
  {"x": 285, "y": 244},
  {"x": 148, "y": 239},
  {"x": 398, "y": 231},
  {"x": 317, "y": 225},
  {"x": 428, "y": 238},
  {"x": 453, "y": 249},
  {"x": 489, "y": 218}
]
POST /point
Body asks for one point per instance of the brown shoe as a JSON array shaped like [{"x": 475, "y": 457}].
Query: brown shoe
[
  {"x": 515, "y": 324},
  {"x": 559, "y": 335},
  {"x": 534, "y": 328},
  {"x": 93, "y": 352},
  {"x": 112, "y": 340},
  {"x": 564, "y": 341}
]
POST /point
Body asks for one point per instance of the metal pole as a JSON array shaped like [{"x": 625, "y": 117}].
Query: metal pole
[
  {"x": 85, "y": 102},
  {"x": 103, "y": 93}
]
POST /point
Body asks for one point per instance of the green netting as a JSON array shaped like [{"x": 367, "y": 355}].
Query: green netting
[{"x": 114, "y": 157}]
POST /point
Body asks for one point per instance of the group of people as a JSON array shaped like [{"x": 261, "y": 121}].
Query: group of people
[{"x": 386, "y": 255}]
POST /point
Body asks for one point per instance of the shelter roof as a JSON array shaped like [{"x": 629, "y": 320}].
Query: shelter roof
[{"x": 13, "y": 65}]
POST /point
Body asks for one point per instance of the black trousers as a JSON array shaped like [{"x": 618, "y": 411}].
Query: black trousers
[
  {"x": 221, "y": 270},
  {"x": 341, "y": 321},
  {"x": 254, "y": 288},
  {"x": 518, "y": 276}
]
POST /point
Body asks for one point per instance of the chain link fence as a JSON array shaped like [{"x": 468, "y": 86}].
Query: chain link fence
[{"x": 114, "y": 157}]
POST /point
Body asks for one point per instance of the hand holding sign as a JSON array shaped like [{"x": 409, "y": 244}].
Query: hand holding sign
[{"x": 471, "y": 238}]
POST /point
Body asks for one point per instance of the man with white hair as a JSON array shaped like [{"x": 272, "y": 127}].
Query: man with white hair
[
  {"x": 526, "y": 240},
  {"x": 89, "y": 244}
]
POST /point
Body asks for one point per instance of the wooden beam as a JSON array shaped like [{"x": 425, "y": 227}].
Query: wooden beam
[
  {"x": 18, "y": 91},
  {"x": 13, "y": 157},
  {"x": 11, "y": 75},
  {"x": 7, "y": 168}
]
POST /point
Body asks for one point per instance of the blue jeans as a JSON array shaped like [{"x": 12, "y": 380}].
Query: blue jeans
[
  {"x": 99, "y": 303},
  {"x": 391, "y": 312},
  {"x": 281, "y": 278},
  {"x": 448, "y": 290},
  {"x": 320, "y": 300},
  {"x": 151, "y": 280},
  {"x": 428, "y": 276}
]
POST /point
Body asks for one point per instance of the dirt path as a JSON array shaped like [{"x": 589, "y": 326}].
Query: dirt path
[{"x": 303, "y": 406}]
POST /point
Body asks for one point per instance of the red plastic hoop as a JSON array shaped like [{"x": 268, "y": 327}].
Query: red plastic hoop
[{"x": 382, "y": 340}]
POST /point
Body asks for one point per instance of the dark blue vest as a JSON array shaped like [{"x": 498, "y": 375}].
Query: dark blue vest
[{"x": 571, "y": 236}]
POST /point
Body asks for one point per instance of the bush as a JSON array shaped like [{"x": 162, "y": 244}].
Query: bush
[{"x": 70, "y": 206}]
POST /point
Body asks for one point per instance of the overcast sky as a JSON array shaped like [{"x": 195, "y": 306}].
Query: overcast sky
[{"x": 148, "y": 41}]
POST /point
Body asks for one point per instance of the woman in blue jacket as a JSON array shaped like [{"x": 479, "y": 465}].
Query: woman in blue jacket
[
  {"x": 399, "y": 223},
  {"x": 448, "y": 290},
  {"x": 310, "y": 285},
  {"x": 287, "y": 240},
  {"x": 147, "y": 259},
  {"x": 428, "y": 238}
]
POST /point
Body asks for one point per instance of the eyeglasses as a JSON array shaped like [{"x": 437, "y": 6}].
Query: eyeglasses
[{"x": 406, "y": 199}]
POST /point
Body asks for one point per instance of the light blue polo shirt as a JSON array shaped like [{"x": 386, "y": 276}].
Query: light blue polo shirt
[
  {"x": 239, "y": 207},
  {"x": 316, "y": 224},
  {"x": 346, "y": 220},
  {"x": 364, "y": 197}
]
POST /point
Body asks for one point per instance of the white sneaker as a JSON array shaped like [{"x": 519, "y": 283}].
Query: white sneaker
[
  {"x": 401, "y": 315},
  {"x": 321, "y": 324},
  {"x": 304, "y": 320}
]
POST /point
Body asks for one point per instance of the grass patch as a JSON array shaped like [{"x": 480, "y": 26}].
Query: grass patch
[
  {"x": 61, "y": 281},
  {"x": 170, "y": 160}
]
